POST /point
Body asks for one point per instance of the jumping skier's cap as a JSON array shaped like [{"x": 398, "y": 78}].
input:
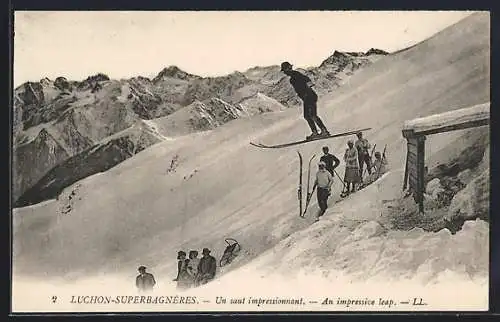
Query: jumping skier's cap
[{"x": 285, "y": 65}]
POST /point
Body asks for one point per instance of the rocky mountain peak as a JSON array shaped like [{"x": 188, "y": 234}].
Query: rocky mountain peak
[
  {"x": 337, "y": 58},
  {"x": 44, "y": 138},
  {"x": 140, "y": 79},
  {"x": 43, "y": 134},
  {"x": 45, "y": 81},
  {"x": 337, "y": 53},
  {"x": 31, "y": 93},
  {"x": 92, "y": 82},
  {"x": 174, "y": 72},
  {"x": 100, "y": 77},
  {"x": 62, "y": 84},
  {"x": 375, "y": 51}
]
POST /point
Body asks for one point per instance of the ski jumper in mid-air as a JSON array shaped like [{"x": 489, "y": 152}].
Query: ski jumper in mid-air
[{"x": 303, "y": 87}]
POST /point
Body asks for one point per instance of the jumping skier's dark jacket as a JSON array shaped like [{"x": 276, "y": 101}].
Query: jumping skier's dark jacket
[{"x": 299, "y": 82}]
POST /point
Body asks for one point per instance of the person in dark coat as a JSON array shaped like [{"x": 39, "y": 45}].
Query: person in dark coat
[
  {"x": 331, "y": 162},
  {"x": 303, "y": 87},
  {"x": 206, "y": 268},
  {"x": 144, "y": 281}
]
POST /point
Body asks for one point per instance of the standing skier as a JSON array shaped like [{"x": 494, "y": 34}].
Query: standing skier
[
  {"x": 331, "y": 161},
  {"x": 302, "y": 86},
  {"x": 324, "y": 181},
  {"x": 363, "y": 147}
]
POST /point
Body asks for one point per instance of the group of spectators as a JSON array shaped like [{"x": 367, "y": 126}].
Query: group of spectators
[
  {"x": 355, "y": 157},
  {"x": 191, "y": 272}
]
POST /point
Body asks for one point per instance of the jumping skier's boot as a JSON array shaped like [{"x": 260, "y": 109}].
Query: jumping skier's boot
[
  {"x": 312, "y": 136},
  {"x": 324, "y": 132}
]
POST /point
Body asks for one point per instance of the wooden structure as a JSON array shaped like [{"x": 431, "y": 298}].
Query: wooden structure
[{"x": 415, "y": 132}]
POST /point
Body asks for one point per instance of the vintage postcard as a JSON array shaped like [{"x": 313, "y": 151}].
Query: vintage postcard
[{"x": 250, "y": 161}]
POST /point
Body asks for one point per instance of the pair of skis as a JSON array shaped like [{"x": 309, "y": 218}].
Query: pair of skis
[
  {"x": 285, "y": 145},
  {"x": 299, "y": 189}
]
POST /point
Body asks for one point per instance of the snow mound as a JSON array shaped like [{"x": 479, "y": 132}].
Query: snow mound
[{"x": 365, "y": 231}]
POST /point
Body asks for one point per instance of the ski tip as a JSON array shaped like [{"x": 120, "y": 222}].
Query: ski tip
[{"x": 258, "y": 145}]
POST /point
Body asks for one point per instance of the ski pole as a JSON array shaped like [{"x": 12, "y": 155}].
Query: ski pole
[{"x": 343, "y": 183}]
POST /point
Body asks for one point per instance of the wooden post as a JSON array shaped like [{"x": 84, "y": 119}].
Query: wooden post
[
  {"x": 420, "y": 172},
  {"x": 415, "y": 167},
  {"x": 405, "y": 183}
]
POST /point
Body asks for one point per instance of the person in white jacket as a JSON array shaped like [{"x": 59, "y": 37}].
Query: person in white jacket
[{"x": 324, "y": 181}]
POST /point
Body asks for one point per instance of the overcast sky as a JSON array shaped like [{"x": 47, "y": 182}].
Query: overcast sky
[{"x": 126, "y": 44}]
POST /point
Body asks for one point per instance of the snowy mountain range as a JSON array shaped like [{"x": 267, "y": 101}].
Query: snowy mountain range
[{"x": 66, "y": 130}]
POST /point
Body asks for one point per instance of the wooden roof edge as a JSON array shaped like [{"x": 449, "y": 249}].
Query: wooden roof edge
[{"x": 476, "y": 115}]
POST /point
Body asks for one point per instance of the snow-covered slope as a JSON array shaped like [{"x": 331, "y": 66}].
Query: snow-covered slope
[{"x": 193, "y": 191}]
